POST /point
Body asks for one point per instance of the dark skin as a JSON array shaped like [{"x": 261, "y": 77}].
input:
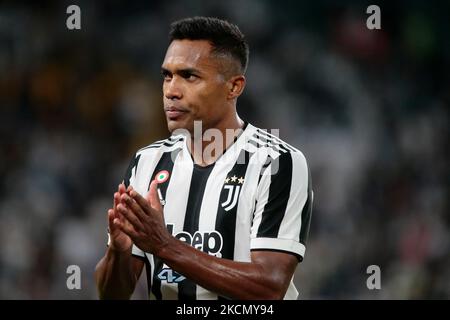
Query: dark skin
[
  {"x": 202, "y": 87},
  {"x": 197, "y": 86}
]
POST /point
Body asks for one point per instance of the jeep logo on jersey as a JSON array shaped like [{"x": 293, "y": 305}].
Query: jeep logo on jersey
[
  {"x": 233, "y": 192},
  {"x": 209, "y": 242}
]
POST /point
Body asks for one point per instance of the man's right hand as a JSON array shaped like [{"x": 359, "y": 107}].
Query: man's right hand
[
  {"x": 117, "y": 272},
  {"x": 119, "y": 241}
]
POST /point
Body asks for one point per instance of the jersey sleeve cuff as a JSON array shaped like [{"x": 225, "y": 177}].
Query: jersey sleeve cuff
[{"x": 278, "y": 244}]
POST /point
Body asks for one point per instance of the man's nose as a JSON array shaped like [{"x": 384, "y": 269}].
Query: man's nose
[{"x": 172, "y": 89}]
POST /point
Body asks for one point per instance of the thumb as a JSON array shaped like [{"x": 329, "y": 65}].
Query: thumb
[{"x": 153, "y": 196}]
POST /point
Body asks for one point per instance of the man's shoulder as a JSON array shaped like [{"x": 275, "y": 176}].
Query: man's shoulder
[
  {"x": 171, "y": 143},
  {"x": 268, "y": 141}
]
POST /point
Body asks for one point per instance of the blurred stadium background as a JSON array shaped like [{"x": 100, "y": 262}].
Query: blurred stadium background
[{"x": 369, "y": 109}]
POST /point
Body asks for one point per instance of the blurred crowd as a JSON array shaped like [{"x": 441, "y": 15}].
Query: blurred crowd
[{"x": 368, "y": 108}]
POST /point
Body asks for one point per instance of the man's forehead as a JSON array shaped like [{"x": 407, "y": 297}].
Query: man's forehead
[{"x": 188, "y": 53}]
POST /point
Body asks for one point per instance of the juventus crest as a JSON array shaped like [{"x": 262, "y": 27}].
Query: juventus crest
[{"x": 233, "y": 185}]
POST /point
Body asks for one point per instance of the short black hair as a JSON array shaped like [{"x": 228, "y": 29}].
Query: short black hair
[{"x": 225, "y": 37}]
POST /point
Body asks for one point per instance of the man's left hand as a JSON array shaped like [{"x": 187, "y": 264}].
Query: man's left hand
[{"x": 147, "y": 228}]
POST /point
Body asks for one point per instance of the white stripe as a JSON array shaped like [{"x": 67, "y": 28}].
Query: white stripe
[
  {"x": 292, "y": 148},
  {"x": 245, "y": 207},
  {"x": 262, "y": 198},
  {"x": 177, "y": 195},
  {"x": 137, "y": 252},
  {"x": 292, "y": 220},
  {"x": 271, "y": 141},
  {"x": 152, "y": 267},
  {"x": 144, "y": 169},
  {"x": 267, "y": 144},
  {"x": 171, "y": 139},
  {"x": 278, "y": 244}
]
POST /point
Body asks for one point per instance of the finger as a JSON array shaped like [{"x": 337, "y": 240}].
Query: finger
[
  {"x": 130, "y": 217},
  {"x": 115, "y": 214},
  {"x": 153, "y": 196},
  {"x": 116, "y": 200},
  {"x": 135, "y": 207},
  {"x": 127, "y": 229},
  {"x": 122, "y": 188},
  {"x": 111, "y": 217},
  {"x": 143, "y": 203}
]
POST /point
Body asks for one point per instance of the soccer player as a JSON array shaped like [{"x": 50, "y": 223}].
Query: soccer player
[{"x": 230, "y": 223}]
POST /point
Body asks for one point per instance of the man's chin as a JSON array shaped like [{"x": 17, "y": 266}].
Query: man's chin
[{"x": 173, "y": 126}]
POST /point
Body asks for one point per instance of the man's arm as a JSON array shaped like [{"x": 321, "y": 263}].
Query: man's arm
[
  {"x": 117, "y": 273},
  {"x": 267, "y": 276}
]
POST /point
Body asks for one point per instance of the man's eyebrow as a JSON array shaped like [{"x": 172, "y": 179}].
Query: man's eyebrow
[{"x": 178, "y": 71}]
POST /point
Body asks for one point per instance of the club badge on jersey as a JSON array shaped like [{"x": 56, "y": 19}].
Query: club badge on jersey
[{"x": 233, "y": 185}]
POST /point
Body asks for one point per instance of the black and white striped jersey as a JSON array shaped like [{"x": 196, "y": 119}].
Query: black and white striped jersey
[{"x": 256, "y": 196}]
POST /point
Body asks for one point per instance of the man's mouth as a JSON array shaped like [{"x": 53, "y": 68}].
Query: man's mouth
[{"x": 173, "y": 112}]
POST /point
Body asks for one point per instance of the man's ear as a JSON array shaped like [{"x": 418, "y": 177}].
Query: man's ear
[{"x": 236, "y": 85}]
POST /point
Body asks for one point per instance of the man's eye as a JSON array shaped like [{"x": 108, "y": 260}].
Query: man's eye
[
  {"x": 189, "y": 76},
  {"x": 166, "y": 75}
]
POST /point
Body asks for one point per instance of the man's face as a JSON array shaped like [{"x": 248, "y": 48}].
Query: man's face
[{"x": 194, "y": 88}]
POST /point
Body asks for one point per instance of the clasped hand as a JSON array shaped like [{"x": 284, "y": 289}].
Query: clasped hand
[{"x": 146, "y": 226}]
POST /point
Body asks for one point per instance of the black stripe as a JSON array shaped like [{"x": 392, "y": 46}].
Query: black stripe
[
  {"x": 226, "y": 220},
  {"x": 159, "y": 142},
  {"x": 255, "y": 143},
  {"x": 187, "y": 289},
  {"x": 279, "y": 190},
  {"x": 156, "y": 287},
  {"x": 164, "y": 163},
  {"x": 167, "y": 142},
  {"x": 148, "y": 272},
  {"x": 133, "y": 164},
  {"x": 271, "y": 142},
  {"x": 306, "y": 214}
]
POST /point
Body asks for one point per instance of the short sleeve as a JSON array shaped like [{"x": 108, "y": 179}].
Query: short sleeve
[{"x": 282, "y": 214}]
